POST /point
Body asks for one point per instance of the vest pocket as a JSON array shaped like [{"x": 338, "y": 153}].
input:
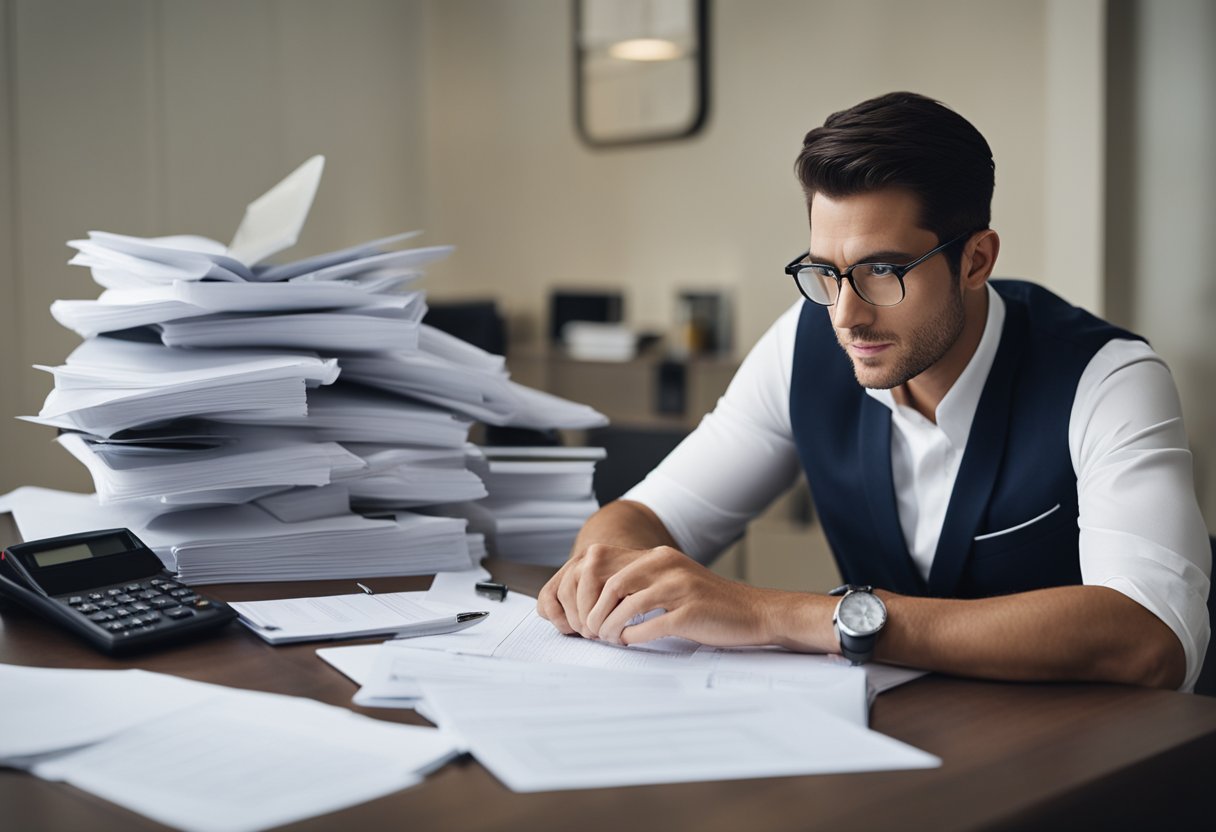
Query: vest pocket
[
  {"x": 1037, "y": 553},
  {"x": 1032, "y": 532}
]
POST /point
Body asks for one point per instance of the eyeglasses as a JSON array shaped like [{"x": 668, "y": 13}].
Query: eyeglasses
[{"x": 880, "y": 284}]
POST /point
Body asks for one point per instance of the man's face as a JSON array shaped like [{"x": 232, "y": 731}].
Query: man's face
[{"x": 888, "y": 345}]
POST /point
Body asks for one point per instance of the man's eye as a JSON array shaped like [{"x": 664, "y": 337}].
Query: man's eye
[
  {"x": 882, "y": 270},
  {"x": 823, "y": 272}
]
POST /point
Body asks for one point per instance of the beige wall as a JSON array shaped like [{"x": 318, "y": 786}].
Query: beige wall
[
  {"x": 149, "y": 116},
  {"x": 532, "y": 208}
]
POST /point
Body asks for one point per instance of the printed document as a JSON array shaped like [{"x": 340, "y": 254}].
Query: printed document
[{"x": 240, "y": 760}]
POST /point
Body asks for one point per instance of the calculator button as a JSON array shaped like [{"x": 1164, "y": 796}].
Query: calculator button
[
  {"x": 113, "y": 592},
  {"x": 152, "y": 616},
  {"x": 202, "y": 604},
  {"x": 75, "y": 599},
  {"x": 160, "y": 602},
  {"x": 179, "y": 592},
  {"x": 179, "y": 612},
  {"x": 101, "y": 616},
  {"x": 147, "y": 593},
  {"x": 132, "y": 587},
  {"x": 95, "y": 596},
  {"x": 140, "y": 606},
  {"x": 115, "y": 626},
  {"x": 124, "y": 599},
  {"x": 88, "y": 608},
  {"x": 187, "y": 600},
  {"x": 122, "y": 610},
  {"x": 107, "y": 604}
]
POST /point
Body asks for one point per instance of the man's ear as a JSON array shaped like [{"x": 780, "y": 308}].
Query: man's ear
[{"x": 979, "y": 258}]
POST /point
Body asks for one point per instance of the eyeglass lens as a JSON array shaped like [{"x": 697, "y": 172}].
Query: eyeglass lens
[{"x": 877, "y": 284}]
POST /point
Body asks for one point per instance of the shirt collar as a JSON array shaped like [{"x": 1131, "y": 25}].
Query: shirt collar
[{"x": 957, "y": 409}]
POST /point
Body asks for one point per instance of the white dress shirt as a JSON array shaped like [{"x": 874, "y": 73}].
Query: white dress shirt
[{"x": 1141, "y": 532}]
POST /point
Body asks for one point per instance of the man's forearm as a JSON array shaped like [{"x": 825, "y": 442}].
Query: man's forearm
[
  {"x": 626, "y": 524},
  {"x": 1079, "y": 633},
  {"x": 1072, "y": 633}
]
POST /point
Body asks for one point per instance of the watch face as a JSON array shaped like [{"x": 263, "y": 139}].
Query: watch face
[{"x": 861, "y": 614}]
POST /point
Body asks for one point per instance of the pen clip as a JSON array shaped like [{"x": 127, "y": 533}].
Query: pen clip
[{"x": 366, "y": 589}]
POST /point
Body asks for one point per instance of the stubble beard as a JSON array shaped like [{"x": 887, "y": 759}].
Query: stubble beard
[{"x": 926, "y": 346}]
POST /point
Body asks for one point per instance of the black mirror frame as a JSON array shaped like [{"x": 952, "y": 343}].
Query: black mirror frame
[{"x": 702, "y": 76}]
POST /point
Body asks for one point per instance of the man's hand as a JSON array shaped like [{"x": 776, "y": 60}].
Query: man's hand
[
  {"x": 602, "y": 588},
  {"x": 569, "y": 595}
]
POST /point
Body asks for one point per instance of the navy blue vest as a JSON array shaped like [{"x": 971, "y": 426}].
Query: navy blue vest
[{"x": 1016, "y": 466}]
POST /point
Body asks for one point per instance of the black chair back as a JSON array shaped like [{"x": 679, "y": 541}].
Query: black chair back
[{"x": 1206, "y": 684}]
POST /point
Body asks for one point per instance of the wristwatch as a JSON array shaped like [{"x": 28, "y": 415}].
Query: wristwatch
[{"x": 859, "y": 617}]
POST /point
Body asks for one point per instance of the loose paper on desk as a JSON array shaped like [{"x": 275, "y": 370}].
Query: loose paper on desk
[
  {"x": 241, "y": 760},
  {"x": 357, "y": 615},
  {"x": 534, "y": 737},
  {"x": 519, "y": 633}
]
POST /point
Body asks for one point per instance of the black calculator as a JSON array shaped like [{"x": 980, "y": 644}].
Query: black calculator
[{"x": 109, "y": 588}]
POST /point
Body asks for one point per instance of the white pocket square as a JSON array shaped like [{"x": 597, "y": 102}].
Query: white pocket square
[{"x": 1029, "y": 522}]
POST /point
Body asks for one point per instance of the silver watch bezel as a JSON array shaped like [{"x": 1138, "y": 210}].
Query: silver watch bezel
[{"x": 842, "y": 627}]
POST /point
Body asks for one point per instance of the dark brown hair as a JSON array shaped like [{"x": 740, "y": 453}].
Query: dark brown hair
[{"x": 905, "y": 140}]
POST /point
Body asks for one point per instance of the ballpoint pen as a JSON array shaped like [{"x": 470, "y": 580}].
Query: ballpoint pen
[{"x": 439, "y": 626}]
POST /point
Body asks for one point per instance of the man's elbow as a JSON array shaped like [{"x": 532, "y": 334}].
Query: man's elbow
[{"x": 1159, "y": 661}]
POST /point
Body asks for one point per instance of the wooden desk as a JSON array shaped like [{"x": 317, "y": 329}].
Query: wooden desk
[{"x": 1015, "y": 756}]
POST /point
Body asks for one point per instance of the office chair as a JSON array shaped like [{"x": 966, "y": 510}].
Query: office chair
[{"x": 1206, "y": 684}]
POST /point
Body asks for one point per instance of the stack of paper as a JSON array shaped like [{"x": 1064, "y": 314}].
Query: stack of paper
[
  {"x": 239, "y": 543},
  {"x": 452, "y": 374},
  {"x": 97, "y": 729},
  {"x": 395, "y": 476},
  {"x": 594, "y": 341},
  {"x": 209, "y": 379},
  {"x": 177, "y": 475},
  {"x": 539, "y": 499}
]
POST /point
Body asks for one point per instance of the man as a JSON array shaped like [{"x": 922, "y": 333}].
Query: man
[{"x": 956, "y": 434}]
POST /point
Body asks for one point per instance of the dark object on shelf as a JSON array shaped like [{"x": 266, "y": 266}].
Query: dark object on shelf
[
  {"x": 497, "y": 435},
  {"x": 671, "y": 383},
  {"x": 631, "y": 454},
  {"x": 475, "y": 322}
]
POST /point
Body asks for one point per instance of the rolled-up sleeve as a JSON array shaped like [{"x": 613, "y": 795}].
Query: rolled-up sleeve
[
  {"x": 1141, "y": 532},
  {"x": 738, "y": 459}
]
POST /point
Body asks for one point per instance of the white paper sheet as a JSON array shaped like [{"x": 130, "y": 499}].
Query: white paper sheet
[
  {"x": 52, "y": 709},
  {"x": 521, "y": 634},
  {"x": 400, "y": 670},
  {"x": 286, "y": 620},
  {"x": 535, "y": 738},
  {"x": 230, "y": 760},
  {"x": 272, "y": 222}
]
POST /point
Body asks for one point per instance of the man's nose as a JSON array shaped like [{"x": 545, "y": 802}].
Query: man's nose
[{"x": 851, "y": 311}]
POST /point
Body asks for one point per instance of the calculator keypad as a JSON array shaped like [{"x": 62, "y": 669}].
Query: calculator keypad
[{"x": 139, "y": 607}]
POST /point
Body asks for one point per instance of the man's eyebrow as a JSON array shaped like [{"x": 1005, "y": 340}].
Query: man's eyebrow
[{"x": 894, "y": 257}]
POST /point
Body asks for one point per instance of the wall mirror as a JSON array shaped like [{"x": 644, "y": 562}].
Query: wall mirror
[{"x": 641, "y": 70}]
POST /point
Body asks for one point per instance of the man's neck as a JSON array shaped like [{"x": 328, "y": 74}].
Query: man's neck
[{"x": 925, "y": 392}]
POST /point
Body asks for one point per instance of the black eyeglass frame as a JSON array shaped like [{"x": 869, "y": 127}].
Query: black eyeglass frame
[{"x": 796, "y": 265}]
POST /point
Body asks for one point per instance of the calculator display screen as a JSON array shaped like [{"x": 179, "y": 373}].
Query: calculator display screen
[
  {"x": 54, "y": 557},
  {"x": 112, "y": 545}
]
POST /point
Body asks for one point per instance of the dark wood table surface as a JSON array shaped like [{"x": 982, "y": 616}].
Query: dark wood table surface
[{"x": 1015, "y": 756}]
